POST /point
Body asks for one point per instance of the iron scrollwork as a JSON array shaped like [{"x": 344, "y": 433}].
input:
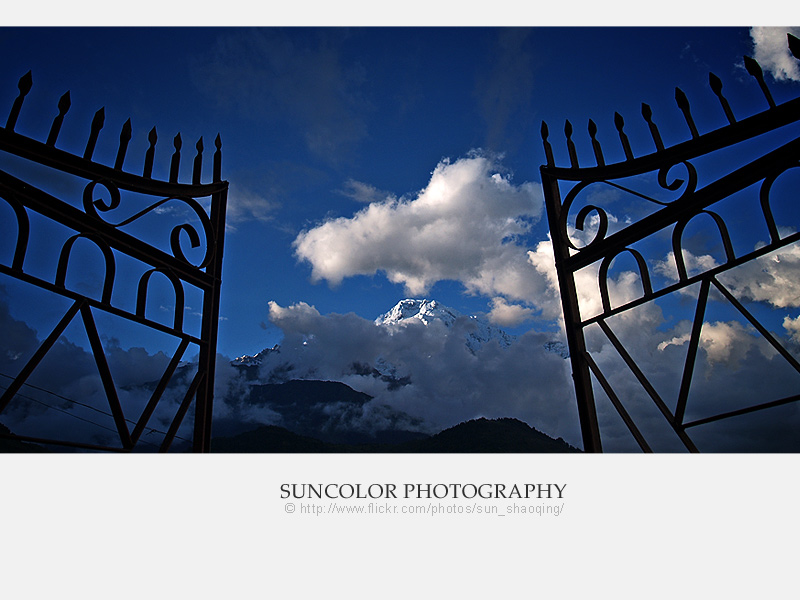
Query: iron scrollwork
[
  {"x": 684, "y": 202},
  {"x": 102, "y": 196},
  {"x": 93, "y": 207}
]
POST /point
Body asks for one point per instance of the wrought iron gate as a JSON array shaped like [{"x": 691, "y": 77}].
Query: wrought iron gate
[
  {"x": 105, "y": 190},
  {"x": 674, "y": 201}
]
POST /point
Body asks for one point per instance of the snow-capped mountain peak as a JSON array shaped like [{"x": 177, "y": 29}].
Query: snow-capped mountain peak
[
  {"x": 410, "y": 311},
  {"x": 425, "y": 311}
]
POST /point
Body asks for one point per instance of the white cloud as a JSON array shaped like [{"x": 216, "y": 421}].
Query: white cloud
[
  {"x": 793, "y": 327},
  {"x": 509, "y": 315},
  {"x": 773, "y": 278},
  {"x": 726, "y": 342},
  {"x": 364, "y": 192},
  {"x": 723, "y": 341},
  {"x": 464, "y": 226},
  {"x": 772, "y": 51},
  {"x": 623, "y": 286},
  {"x": 694, "y": 265},
  {"x": 448, "y": 383}
]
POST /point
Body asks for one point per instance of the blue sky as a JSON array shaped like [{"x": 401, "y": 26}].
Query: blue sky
[
  {"x": 306, "y": 114},
  {"x": 342, "y": 145}
]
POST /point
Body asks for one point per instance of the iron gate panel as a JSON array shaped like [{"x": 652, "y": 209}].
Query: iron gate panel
[
  {"x": 107, "y": 192},
  {"x": 677, "y": 192}
]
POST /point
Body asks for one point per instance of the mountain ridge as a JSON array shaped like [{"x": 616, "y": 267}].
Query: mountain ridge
[
  {"x": 481, "y": 435},
  {"x": 411, "y": 311}
]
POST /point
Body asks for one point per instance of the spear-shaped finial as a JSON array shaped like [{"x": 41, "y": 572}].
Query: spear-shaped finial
[
  {"x": 198, "y": 161},
  {"x": 97, "y": 125},
  {"x": 754, "y": 69},
  {"x": 716, "y": 87},
  {"x": 176, "y": 159},
  {"x": 598, "y": 151},
  {"x": 24, "y": 85},
  {"x": 683, "y": 104},
  {"x": 548, "y": 149},
  {"x": 218, "y": 159},
  {"x": 124, "y": 138},
  {"x": 63, "y": 106},
  {"x": 573, "y": 155},
  {"x": 619, "y": 123},
  {"x": 647, "y": 113},
  {"x": 150, "y": 155}
]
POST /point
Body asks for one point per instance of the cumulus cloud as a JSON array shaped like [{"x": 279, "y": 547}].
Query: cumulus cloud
[
  {"x": 509, "y": 315},
  {"x": 773, "y": 278},
  {"x": 793, "y": 327},
  {"x": 464, "y": 226},
  {"x": 772, "y": 51},
  {"x": 726, "y": 342},
  {"x": 695, "y": 264},
  {"x": 623, "y": 286},
  {"x": 732, "y": 359},
  {"x": 444, "y": 382}
]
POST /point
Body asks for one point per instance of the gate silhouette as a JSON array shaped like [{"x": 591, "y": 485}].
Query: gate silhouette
[
  {"x": 107, "y": 189},
  {"x": 684, "y": 201}
]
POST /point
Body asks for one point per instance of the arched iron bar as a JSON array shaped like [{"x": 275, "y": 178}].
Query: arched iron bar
[
  {"x": 23, "y": 231},
  {"x": 141, "y": 295},
  {"x": 63, "y": 261},
  {"x": 740, "y": 260},
  {"x": 602, "y": 276},
  {"x": 677, "y": 236},
  {"x": 766, "y": 208}
]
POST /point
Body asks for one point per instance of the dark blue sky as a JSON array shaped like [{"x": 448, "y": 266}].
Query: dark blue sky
[{"x": 302, "y": 112}]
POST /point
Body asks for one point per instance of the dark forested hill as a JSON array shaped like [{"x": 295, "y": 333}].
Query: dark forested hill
[{"x": 477, "y": 436}]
